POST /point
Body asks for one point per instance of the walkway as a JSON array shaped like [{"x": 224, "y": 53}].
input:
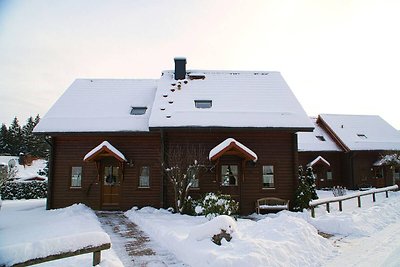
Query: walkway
[{"x": 133, "y": 246}]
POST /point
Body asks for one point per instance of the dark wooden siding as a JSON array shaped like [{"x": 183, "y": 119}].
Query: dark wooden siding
[
  {"x": 272, "y": 147},
  {"x": 334, "y": 158},
  {"x": 142, "y": 149}
]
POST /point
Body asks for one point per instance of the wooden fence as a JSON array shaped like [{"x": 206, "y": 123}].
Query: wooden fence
[{"x": 358, "y": 195}]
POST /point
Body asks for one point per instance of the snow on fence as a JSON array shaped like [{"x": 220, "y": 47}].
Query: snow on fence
[
  {"x": 26, "y": 254},
  {"x": 358, "y": 195}
]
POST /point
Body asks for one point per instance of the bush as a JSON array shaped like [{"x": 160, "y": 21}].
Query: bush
[
  {"x": 212, "y": 205},
  {"x": 339, "y": 191},
  {"x": 306, "y": 190},
  {"x": 24, "y": 190}
]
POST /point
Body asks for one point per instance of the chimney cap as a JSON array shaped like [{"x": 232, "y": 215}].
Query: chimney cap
[{"x": 179, "y": 58}]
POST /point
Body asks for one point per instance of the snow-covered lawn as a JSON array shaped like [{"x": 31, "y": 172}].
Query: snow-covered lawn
[
  {"x": 362, "y": 237},
  {"x": 369, "y": 236},
  {"x": 28, "y": 230}
]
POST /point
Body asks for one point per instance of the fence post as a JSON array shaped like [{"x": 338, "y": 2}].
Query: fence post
[
  {"x": 313, "y": 211},
  {"x": 387, "y": 194},
  {"x": 340, "y": 205},
  {"x": 373, "y": 197},
  {"x": 359, "y": 201},
  {"x": 327, "y": 207},
  {"x": 96, "y": 257}
]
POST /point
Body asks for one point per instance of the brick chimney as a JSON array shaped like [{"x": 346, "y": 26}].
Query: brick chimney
[{"x": 180, "y": 68}]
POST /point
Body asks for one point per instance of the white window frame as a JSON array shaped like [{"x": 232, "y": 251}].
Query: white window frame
[
  {"x": 76, "y": 177},
  {"x": 267, "y": 175},
  {"x": 144, "y": 180}
]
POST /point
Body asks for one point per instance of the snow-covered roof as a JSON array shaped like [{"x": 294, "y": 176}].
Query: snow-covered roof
[
  {"x": 100, "y": 105},
  {"x": 318, "y": 159},
  {"x": 104, "y": 147},
  {"x": 317, "y": 140},
  {"x": 238, "y": 99},
  {"x": 231, "y": 143},
  {"x": 27, "y": 172},
  {"x": 363, "y": 132}
]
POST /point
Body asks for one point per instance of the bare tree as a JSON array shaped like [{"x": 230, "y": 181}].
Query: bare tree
[{"x": 182, "y": 168}]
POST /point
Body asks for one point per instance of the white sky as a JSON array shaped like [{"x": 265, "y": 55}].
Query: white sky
[{"x": 337, "y": 56}]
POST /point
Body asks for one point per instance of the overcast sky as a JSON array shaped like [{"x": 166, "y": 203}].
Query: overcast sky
[{"x": 337, "y": 56}]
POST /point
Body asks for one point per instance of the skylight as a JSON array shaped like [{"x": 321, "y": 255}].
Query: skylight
[
  {"x": 203, "y": 103},
  {"x": 138, "y": 110},
  {"x": 362, "y": 136},
  {"x": 320, "y": 138}
]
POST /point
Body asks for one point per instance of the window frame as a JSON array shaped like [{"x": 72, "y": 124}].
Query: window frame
[
  {"x": 71, "y": 184},
  {"x": 235, "y": 176},
  {"x": 329, "y": 177},
  {"x": 273, "y": 176},
  {"x": 140, "y": 175},
  {"x": 203, "y": 104},
  {"x": 198, "y": 182}
]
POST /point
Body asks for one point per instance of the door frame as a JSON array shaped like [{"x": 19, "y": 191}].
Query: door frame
[{"x": 105, "y": 162}]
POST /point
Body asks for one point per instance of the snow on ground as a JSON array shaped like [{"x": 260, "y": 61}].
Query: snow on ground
[
  {"x": 28, "y": 230},
  {"x": 369, "y": 236},
  {"x": 284, "y": 241},
  {"x": 25, "y": 172}
]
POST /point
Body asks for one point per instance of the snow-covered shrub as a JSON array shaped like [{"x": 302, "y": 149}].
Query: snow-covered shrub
[
  {"x": 24, "y": 190},
  {"x": 306, "y": 190},
  {"x": 213, "y": 205},
  {"x": 338, "y": 191},
  {"x": 220, "y": 227}
]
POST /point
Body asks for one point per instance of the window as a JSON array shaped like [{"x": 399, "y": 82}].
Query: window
[
  {"x": 111, "y": 174},
  {"x": 193, "y": 178},
  {"x": 362, "y": 136},
  {"x": 320, "y": 138},
  {"x": 76, "y": 177},
  {"x": 229, "y": 175},
  {"x": 144, "y": 178},
  {"x": 329, "y": 176},
  {"x": 268, "y": 176},
  {"x": 396, "y": 174},
  {"x": 203, "y": 103},
  {"x": 138, "y": 110}
]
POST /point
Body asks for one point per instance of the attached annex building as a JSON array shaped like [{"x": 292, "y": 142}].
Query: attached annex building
[
  {"x": 347, "y": 150},
  {"x": 109, "y": 137}
]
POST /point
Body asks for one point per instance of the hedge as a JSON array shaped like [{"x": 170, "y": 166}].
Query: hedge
[{"x": 24, "y": 190}]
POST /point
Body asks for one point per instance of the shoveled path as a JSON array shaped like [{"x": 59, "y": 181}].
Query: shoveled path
[{"x": 133, "y": 246}]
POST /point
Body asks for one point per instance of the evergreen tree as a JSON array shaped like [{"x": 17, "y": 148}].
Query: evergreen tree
[
  {"x": 16, "y": 140},
  {"x": 4, "y": 140},
  {"x": 306, "y": 190},
  {"x": 27, "y": 136}
]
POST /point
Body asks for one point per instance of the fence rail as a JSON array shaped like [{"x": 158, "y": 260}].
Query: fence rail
[{"x": 358, "y": 195}]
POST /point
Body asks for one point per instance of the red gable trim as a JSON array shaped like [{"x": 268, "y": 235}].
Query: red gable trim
[
  {"x": 104, "y": 151},
  {"x": 231, "y": 149}
]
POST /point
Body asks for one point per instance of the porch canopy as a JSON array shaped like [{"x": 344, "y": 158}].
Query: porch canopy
[
  {"x": 232, "y": 147},
  {"x": 105, "y": 149},
  {"x": 319, "y": 160}
]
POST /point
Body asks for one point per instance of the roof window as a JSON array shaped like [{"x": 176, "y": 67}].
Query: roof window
[
  {"x": 138, "y": 110},
  {"x": 196, "y": 76},
  {"x": 203, "y": 103},
  {"x": 320, "y": 138},
  {"x": 362, "y": 136}
]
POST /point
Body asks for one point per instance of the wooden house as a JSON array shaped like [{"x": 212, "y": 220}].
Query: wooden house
[
  {"x": 110, "y": 137},
  {"x": 357, "y": 144}
]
